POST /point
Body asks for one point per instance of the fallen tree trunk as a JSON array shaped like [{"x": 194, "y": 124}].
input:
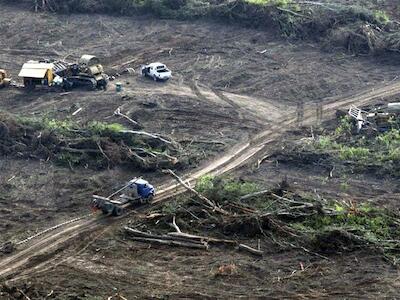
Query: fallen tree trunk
[
  {"x": 186, "y": 240},
  {"x": 256, "y": 194},
  {"x": 201, "y": 238},
  {"x": 170, "y": 242},
  {"x": 208, "y": 202},
  {"x": 250, "y": 249},
  {"x": 191, "y": 237},
  {"x": 118, "y": 112},
  {"x": 146, "y": 134},
  {"x": 138, "y": 233}
]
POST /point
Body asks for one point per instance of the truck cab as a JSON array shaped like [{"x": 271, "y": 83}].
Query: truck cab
[{"x": 140, "y": 188}]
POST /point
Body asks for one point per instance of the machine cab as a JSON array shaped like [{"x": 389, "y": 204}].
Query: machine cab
[{"x": 143, "y": 188}]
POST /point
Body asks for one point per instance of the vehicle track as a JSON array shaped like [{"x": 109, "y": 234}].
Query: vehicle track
[{"x": 25, "y": 259}]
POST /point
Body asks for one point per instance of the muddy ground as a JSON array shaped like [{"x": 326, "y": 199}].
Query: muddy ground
[{"x": 228, "y": 84}]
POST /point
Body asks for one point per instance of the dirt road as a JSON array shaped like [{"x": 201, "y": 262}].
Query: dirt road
[{"x": 42, "y": 249}]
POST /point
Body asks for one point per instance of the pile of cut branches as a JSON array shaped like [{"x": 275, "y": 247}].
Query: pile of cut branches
[
  {"x": 230, "y": 214},
  {"x": 95, "y": 145}
]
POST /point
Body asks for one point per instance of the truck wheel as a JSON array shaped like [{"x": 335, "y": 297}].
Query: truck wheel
[
  {"x": 118, "y": 211},
  {"x": 149, "y": 199},
  {"x": 107, "y": 208}
]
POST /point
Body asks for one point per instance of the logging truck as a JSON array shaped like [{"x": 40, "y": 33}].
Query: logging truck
[{"x": 136, "y": 191}]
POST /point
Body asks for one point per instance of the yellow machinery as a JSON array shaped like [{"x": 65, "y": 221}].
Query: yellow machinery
[
  {"x": 4, "y": 81},
  {"x": 36, "y": 73},
  {"x": 88, "y": 72}
]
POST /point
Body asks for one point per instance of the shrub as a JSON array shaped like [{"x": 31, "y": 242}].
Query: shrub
[{"x": 224, "y": 189}]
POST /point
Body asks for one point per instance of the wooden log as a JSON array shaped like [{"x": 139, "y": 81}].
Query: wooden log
[
  {"x": 118, "y": 112},
  {"x": 170, "y": 242},
  {"x": 201, "y": 238},
  {"x": 155, "y": 154},
  {"x": 202, "y": 142},
  {"x": 250, "y": 250},
  {"x": 208, "y": 202},
  {"x": 154, "y": 136},
  {"x": 260, "y": 193},
  {"x": 138, "y": 233}
]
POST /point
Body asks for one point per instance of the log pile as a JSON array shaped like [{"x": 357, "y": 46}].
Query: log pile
[{"x": 181, "y": 239}]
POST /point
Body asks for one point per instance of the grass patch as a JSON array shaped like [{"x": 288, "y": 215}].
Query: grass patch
[{"x": 223, "y": 189}]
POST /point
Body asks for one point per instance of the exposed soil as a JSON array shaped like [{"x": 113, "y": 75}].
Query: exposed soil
[{"x": 229, "y": 84}]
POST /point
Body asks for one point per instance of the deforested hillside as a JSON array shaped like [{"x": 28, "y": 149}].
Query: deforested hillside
[
  {"x": 359, "y": 26},
  {"x": 199, "y": 149}
]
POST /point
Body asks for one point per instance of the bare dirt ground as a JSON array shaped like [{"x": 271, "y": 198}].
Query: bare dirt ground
[{"x": 226, "y": 88}]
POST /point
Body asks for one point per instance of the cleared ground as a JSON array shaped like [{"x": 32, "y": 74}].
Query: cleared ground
[{"x": 229, "y": 83}]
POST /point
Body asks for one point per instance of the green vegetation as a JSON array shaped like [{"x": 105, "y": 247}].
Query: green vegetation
[
  {"x": 371, "y": 223},
  {"x": 321, "y": 225},
  {"x": 223, "y": 189},
  {"x": 68, "y": 127},
  {"x": 95, "y": 144},
  {"x": 381, "y": 150}
]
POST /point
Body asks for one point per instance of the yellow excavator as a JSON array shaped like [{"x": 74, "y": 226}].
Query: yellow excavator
[{"x": 4, "y": 81}]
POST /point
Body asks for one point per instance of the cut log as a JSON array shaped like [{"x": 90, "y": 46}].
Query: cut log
[
  {"x": 138, "y": 233},
  {"x": 202, "y": 142},
  {"x": 170, "y": 243},
  {"x": 118, "y": 112},
  {"x": 250, "y": 250},
  {"x": 175, "y": 226},
  {"x": 154, "y": 136},
  {"x": 201, "y": 238},
  {"x": 256, "y": 194},
  {"x": 185, "y": 240}
]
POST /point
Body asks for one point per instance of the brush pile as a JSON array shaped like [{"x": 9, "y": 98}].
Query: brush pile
[{"x": 95, "y": 145}]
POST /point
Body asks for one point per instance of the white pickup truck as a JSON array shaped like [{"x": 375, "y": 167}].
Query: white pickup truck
[{"x": 157, "y": 71}]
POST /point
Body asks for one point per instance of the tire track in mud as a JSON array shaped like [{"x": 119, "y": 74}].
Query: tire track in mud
[
  {"x": 40, "y": 250},
  {"x": 232, "y": 103}
]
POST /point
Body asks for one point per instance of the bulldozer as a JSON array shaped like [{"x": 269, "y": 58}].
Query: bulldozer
[
  {"x": 87, "y": 72},
  {"x": 4, "y": 81}
]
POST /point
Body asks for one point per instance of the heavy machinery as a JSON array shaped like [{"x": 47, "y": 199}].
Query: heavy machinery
[
  {"x": 88, "y": 72},
  {"x": 380, "y": 117},
  {"x": 137, "y": 191},
  {"x": 4, "y": 81}
]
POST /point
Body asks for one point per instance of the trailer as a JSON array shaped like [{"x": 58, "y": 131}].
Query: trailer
[{"x": 136, "y": 191}]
